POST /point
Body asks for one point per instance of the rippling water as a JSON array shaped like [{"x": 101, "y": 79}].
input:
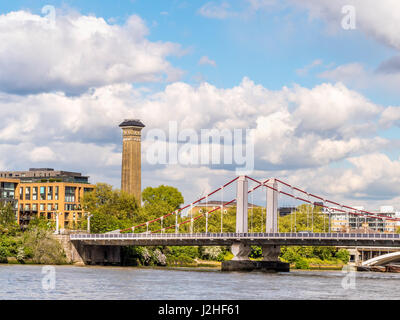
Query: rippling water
[{"x": 25, "y": 282}]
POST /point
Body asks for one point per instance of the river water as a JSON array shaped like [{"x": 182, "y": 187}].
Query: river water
[{"x": 125, "y": 283}]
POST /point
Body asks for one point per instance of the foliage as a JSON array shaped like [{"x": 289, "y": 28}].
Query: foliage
[
  {"x": 256, "y": 252},
  {"x": 41, "y": 247},
  {"x": 213, "y": 253},
  {"x": 301, "y": 263},
  {"x": 110, "y": 209},
  {"x": 343, "y": 255},
  {"x": 8, "y": 223},
  {"x": 3, "y": 255},
  {"x": 165, "y": 195},
  {"x": 303, "y": 218}
]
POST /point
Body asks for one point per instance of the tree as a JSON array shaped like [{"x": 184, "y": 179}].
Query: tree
[
  {"x": 158, "y": 202},
  {"x": 8, "y": 223},
  {"x": 165, "y": 195},
  {"x": 111, "y": 209},
  {"x": 303, "y": 218}
]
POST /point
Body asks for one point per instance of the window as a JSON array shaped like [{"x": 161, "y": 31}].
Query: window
[
  {"x": 42, "y": 207},
  {"x": 34, "y": 207},
  {"x": 27, "y": 193},
  {"x": 56, "y": 193},
  {"x": 34, "y": 193},
  {"x": 70, "y": 194},
  {"x": 50, "y": 193},
  {"x": 49, "y": 207},
  {"x": 42, "y": 193},
  {"x": 21, "y": 193},
  {"x": 69, "y": 207},
  {"x": 27, "y": 207}
]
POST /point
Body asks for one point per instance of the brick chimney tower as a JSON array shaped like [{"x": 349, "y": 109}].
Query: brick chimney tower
[{"x": 131, "y": 176}]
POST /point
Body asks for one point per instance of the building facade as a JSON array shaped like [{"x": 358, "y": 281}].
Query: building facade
[
  {"x": 47, "y": 198},
  {"x": 345, "y": 222}
]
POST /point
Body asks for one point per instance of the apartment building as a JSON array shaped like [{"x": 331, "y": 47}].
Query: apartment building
[
  {"x": 46, "y": 197},
  {"x": 345, "y": 222}
]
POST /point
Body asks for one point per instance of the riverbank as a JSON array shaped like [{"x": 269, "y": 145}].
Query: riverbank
[{"x": 198, "y": 263}]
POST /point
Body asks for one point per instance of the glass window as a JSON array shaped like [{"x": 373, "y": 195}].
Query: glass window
[
  {"x": 27, "y": 193},
  {"x": 49, "y": 207},
  {"x": 56, "y": 194},
  {"x": 34, "y": 193},
  {"x": 42, "y": 193},
  {"x": 70, "y": 194},
  {"x": 42, "y": 207},
  {"x": 34, "y": 207},
  {"x": 50, "y": 193}
]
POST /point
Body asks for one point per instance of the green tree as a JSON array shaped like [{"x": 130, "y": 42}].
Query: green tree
[
  {"x": 8, "y": 223},
  {"x": 111, "y": 209},
  {"x": 166, "y": 195},
  {"x": 343, "y": 255},
  {"x": 158, "y": 202},
  {"x": 304, "y": 218}
]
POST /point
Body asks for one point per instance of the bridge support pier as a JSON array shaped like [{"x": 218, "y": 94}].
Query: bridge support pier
[{"x": 98, "y": 255}]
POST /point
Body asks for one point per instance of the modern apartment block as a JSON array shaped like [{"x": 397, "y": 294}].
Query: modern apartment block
[
  {"x": 344, "y": 222},
  {"x": 44, "y": 175},
  {"x": 36, "y": 195}
]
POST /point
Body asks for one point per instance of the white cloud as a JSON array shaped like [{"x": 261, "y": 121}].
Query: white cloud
[
  {"x": 378, "y": 19},
  {"x": 78, "y": 53},
  {"x": 304, "y": 71},
  {"x": 296, "y": 129},
  {"x": 204, "y": 60},
  {"x": 356, "y": 75},
  {"x": 39, "y": 154},
  {"x": 216, "y": 10}
]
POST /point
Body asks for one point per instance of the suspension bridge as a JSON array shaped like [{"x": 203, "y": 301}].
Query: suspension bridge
[{"x": 177, "y": 228}]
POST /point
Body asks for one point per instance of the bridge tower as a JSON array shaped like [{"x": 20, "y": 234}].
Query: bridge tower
[
  {"x": 131, "y": 158},
  {"x": 241, "y": 249}
]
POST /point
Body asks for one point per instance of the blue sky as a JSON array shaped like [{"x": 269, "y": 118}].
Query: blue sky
[{"x": 210, "y": 51}]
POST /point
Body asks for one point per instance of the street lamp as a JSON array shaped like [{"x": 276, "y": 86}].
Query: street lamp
[
  {"x": 57, "y": 223},
  {"x": 88, "y": 215}
]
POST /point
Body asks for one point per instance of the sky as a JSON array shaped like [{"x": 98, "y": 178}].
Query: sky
[{"x": 317, "y": 84}]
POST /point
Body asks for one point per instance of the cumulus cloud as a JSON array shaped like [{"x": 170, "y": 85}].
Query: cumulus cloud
[
  {"x": 370, "y": 177},
  {"x": 386, "y": 77},
  {"x": 377, "y": 19},
  {"x": 77, "y": 53},
  {"x": 294, "y": 128}
]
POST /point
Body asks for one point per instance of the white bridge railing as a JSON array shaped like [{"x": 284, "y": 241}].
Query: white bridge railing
[{"x": 238, "y": 236}]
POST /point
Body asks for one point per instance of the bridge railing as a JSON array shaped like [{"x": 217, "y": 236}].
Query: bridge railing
[{"x": 232, "y": 235}]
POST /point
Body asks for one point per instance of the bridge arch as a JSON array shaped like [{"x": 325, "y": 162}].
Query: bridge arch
[{"x": 383, "y": 259}]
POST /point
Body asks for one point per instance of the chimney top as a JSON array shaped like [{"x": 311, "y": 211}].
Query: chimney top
[{"x": 132, "y": 123}]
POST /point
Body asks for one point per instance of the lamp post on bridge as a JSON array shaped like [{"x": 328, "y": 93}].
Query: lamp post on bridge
[
  {"x": 57, "y": 223},
  {"x": 89, "y": 216}
]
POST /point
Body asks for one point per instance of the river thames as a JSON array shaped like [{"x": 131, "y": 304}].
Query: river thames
[{"x": 124, "y": 283}]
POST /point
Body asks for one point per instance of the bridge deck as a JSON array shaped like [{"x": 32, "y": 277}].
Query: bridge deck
[{"x": 218, "y": 239}]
